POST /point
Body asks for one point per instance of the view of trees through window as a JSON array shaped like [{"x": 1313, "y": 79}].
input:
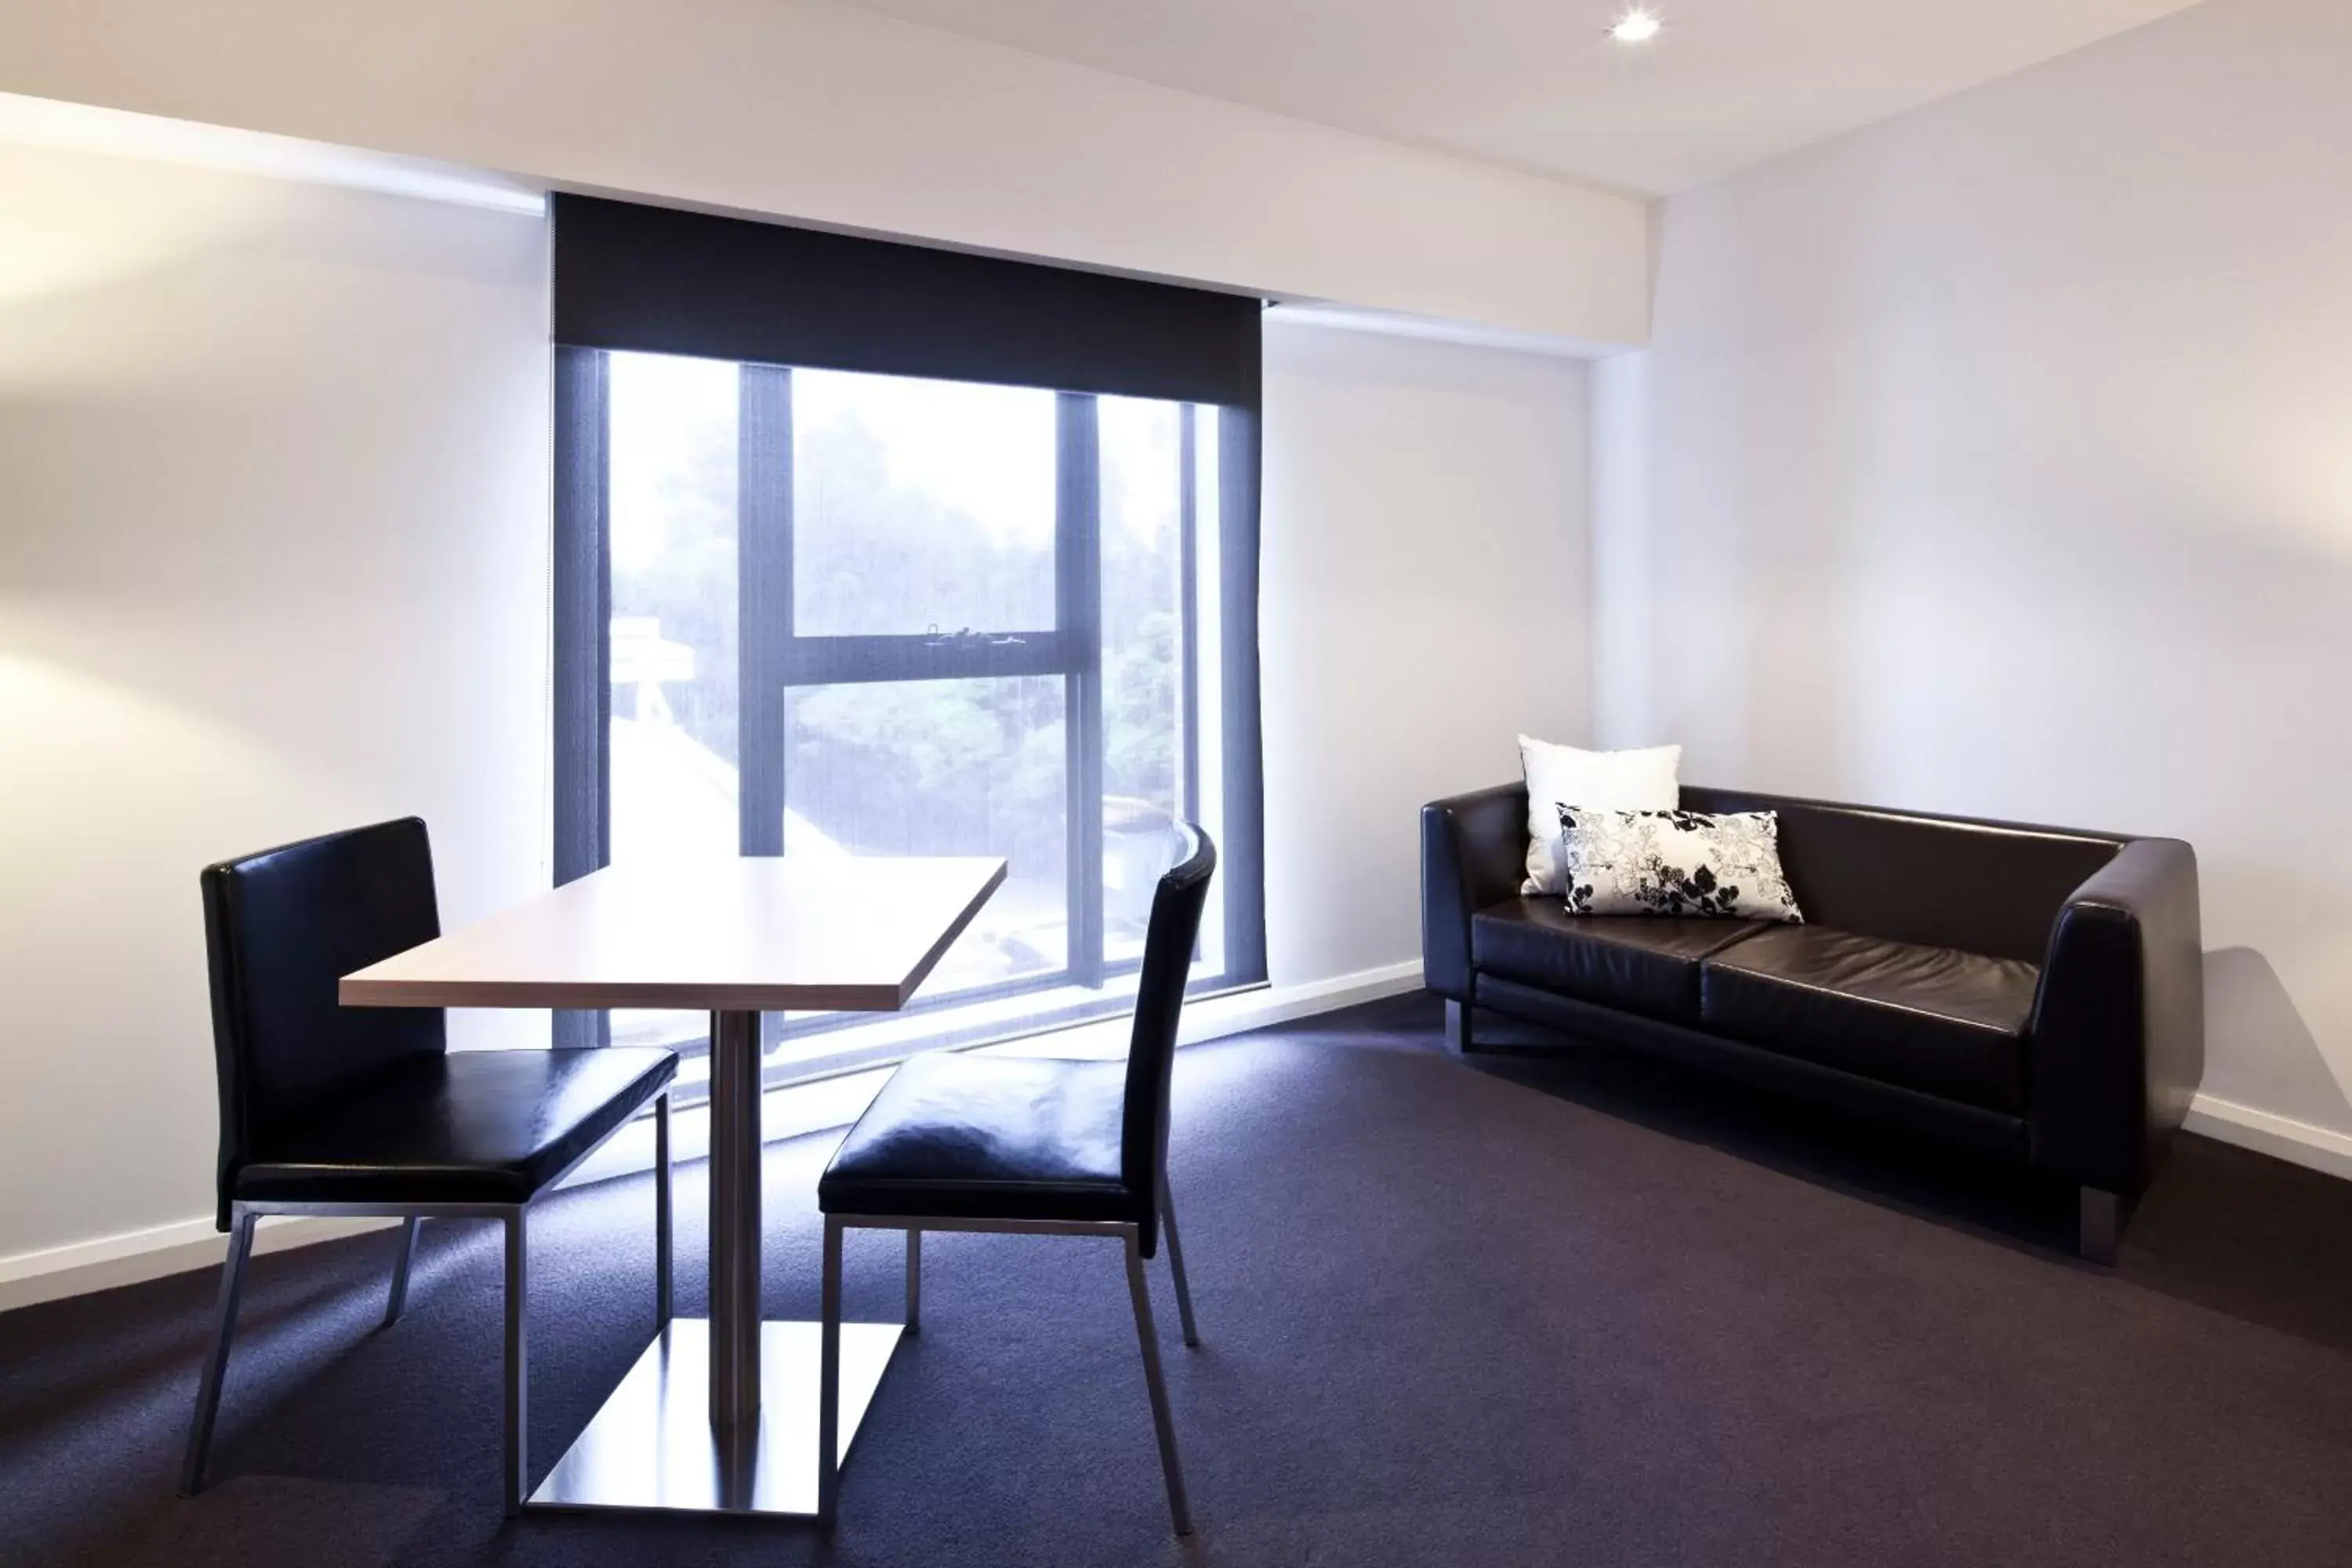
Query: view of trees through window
[{"x": 925, "y": 521}]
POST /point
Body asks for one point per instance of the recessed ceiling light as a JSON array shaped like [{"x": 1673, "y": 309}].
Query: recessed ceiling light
[{"x": 1638, "y": 26}]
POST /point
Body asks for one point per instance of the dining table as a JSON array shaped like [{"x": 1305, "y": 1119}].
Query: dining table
[{"x": 718, "y": 1414}]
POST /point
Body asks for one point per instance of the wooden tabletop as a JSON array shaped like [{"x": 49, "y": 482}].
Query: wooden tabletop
[{"x": 740, "y": 935}]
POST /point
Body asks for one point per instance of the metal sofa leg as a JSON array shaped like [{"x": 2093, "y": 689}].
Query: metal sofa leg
[
  {"x": 518, "y": 1413},
  {"x": 663, "y": 1208},
  {"x": 1457, "y": 1026},
  {"x": 1158, "y": 1385},
  {"x": 209, "y": 1386},
  {"x": 397, "y": 1301},
  {"x": 828, "y": 1395},
  {"x": 2102, "y": 1216},
  {"x": 1176, "y": 1265}
]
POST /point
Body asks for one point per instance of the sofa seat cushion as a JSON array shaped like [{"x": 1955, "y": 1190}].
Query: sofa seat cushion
[
  {"x": 1934, "y": 1019},
  {"x": 1641, "y": 963}
]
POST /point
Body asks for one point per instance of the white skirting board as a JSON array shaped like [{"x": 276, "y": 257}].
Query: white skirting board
[
  {"x": 2280, "y": 1137},
  {"x": 79, "y": 1268}
]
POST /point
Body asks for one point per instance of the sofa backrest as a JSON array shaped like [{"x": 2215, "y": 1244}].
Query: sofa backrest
[{"x": 1992, "y": 888}]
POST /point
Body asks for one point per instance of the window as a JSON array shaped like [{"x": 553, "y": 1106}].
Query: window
[
  {"x": 866, "y": 615},
  {"x": 865, "y": 549}
]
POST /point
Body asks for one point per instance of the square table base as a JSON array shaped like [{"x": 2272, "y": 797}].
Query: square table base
[{"x": 652, "y": 1446}]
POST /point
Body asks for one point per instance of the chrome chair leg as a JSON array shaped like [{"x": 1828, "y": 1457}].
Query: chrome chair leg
[
  {"x": 517, "y": 1417},
  {"x": 914, "y": 1279},
  {"x": 1176, "y": 1265},
  {"x": 209, "y": 1385},
  {"x": 397, "y": 1301},
  {"x": 828, "y": 1397},
  {"x": 1158, "y": 1387},
  {"x": 662, "y": 1205}
]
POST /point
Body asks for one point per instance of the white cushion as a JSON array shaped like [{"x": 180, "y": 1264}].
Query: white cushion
[
  {"x": 1676, "y": 863},
  {"x": 1613, "y": 781}
]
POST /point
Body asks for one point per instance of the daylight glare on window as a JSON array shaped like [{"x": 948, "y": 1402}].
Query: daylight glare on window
[{"x": 984, "y": 644}]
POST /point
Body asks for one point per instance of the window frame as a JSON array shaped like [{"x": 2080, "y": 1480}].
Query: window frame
[{"x": 773, "y": 659}]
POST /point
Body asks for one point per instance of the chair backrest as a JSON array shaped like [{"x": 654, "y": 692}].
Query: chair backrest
[
  {"x": 1168, "y": 944},
  {"x": 280, "y": 929}
]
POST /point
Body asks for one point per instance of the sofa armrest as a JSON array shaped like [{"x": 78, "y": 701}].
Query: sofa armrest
[
  {"x": 1473, "y": 853},
  {"x": 2118, "y": 1045}
]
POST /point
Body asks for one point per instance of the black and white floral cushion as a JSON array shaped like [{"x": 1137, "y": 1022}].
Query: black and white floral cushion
[{"x": 1676, "y": 863}]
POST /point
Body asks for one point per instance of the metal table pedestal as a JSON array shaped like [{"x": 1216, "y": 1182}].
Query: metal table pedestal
[{"x": 720, "y": 1415}]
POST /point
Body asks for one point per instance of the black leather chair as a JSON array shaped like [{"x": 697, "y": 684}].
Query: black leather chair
[
  {"x": 1032, "y": 1145},
  {"x": 333, "y": 1110}
]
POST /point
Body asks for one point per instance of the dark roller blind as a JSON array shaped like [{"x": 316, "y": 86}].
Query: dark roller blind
[{"x": 662, "y": 281}]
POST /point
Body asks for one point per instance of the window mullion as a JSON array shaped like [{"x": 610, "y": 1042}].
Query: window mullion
[
  {"x": 582, "y": 610},
  {"x": 1077, "y": 580},
  {"x": 763, "y": 627},
  {"x": 1187, "y": 634},
  {"x": 1243, "y": 850}
]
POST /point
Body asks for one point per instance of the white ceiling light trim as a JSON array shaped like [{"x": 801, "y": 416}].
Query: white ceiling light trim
[
  {"x": 1639, "y": 25},
  {"x": 85, "y": 128}
]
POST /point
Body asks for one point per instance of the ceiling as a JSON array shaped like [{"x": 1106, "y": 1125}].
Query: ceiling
[{"x": 1537, "y": 84}]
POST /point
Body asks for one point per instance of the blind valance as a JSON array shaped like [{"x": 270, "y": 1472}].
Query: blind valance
[{"x": 658, "y": 280}]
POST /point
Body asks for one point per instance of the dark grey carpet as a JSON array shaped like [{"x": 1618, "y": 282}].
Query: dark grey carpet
[{"x": 1572, "y": 1309}]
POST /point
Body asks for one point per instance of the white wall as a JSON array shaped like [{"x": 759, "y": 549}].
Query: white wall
[
  {"x": 838, "y": 116},
  {"x": 273, "y": 559},
  {"x": 1422, "y": 600},
  {"x": 1998, "y": 459}
]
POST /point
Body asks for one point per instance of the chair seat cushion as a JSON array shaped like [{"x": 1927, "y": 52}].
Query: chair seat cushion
[
  {"x": 489, "y": 1127},
  {"x": 1639, "y": 963},
  {"x": 989, "y": 1138},
  {"x": 1934, "y": 1019}
]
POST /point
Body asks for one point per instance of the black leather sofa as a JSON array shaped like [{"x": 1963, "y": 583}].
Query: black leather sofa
[{"x": 2034, "y": 994}]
